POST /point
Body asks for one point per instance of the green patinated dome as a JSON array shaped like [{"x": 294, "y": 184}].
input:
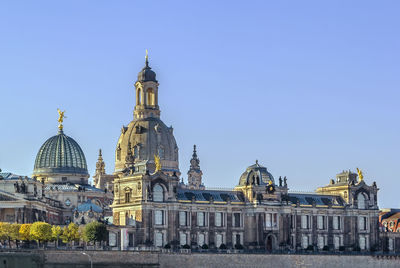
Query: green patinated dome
[{"x": 60, "y": 155}]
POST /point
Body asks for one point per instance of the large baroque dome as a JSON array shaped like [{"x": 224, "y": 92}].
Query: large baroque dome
[
  {"x": 60, "y": 154},
  {"x": 146, "y": 138}
]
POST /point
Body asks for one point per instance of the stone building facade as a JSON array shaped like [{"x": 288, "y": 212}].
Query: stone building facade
[{"x": 155, "y": 208}]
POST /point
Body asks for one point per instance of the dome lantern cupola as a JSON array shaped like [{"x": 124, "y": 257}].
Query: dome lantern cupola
[{"x": 146, "y": 88}]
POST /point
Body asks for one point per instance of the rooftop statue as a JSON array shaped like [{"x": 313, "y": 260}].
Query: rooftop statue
[
  {"x": 360, "y": 174},
  {"x": 61, "y": 117}
]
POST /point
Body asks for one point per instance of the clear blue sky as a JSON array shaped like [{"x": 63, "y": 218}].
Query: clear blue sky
[{"x": 309, "y": 88}]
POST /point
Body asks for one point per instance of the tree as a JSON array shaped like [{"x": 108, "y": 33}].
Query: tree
[
  {"x": 14, "y": 233},
  {"x": 70, "y": 233},
  {"x": 5, "y": 232},
  {"x": 95, "y": 231},
  {"x": 24, "y": 232},
  {"x": 40, "y": 231},
  {"x": 56, "y": 232}
]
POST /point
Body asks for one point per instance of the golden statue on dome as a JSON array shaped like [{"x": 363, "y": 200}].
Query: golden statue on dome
[
  {"x": 157, "y": 162},
  {"x": 61, "y": 117}
]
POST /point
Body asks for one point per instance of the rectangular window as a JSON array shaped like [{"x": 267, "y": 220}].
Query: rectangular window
[
  {"x": 362, "y": 223},
  {"x": 218, "y": 240},
  {"x": 305, "y": 222},
  {"x": 336, "y": 223},
  {"x": 159, "y": 239},
  {"x": 362, "y": 243},
  {"x": 336, "y": 242},
  {"x": 321, "y": 222},
  {"x": 304, "y": 241},
  {"x": 268, "y": 220},
  {"x": 130, "y": 237},
  {"x": 159, "y": 217},
  {"x": 236, "y": 219},
  {"x": 127, "y": 197},
  {"x": 275, "y": 220},
  {"x": 237, "y": 240},
  {"x": 292, "y": 219},
  {"x": 183, "y": 218},
  {"x": 201, "y": 240},
  {"x": 218, "y": 219},
  {"x": 321, "y": 243},
  {"x": 201, "y": 219},
  {"x": 183, "y": 239}
]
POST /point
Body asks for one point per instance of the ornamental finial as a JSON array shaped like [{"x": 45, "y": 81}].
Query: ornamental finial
[
  {"x": 60, "y": 120},
  {"x": 147, "y": 57}
]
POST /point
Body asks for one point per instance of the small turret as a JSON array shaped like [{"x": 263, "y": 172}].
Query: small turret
[{"x": 195, "y": 174}]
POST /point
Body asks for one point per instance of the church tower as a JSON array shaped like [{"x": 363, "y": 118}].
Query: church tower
[
  {"x": 146, "y": 136},
  {"x": 195, "y": 173}
]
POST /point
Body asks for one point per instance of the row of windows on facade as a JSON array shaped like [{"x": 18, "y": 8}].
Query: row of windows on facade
[
  {"x": 322, "y": 240},
  {"x": 201, "y": 239},
  {"x": 322, "y": 223},
  {"x": 202, "y": 219},
  {"x": 271, "y": 220}
]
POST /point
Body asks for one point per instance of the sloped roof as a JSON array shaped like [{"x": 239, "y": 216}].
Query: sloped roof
[
  {"x": 311, "y": 198},
  {"x": 207, "y": 195}
]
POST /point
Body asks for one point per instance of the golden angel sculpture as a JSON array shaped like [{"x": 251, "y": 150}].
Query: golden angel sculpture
[
  {"x": 360, "y": 174},
  {"x": 61, "y": 117},
  {"x": 157, "y": 162}
]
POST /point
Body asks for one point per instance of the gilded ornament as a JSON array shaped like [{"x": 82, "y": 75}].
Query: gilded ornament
[
  {"x": 360, "y": 174},
  {"x": 157, "y": 162},
  {"x": 61, "y": 117}
]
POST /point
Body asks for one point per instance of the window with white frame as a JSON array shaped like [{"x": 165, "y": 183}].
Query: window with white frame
[
  {"x": 159, "y": 239},
  {"x": 182, "y": 239},
  {"x": 201, "y": 219},
  {"x": 321, "y": 222},
  {"x": 362, "y": 223},
  {"x": 305, "y": 222},
  {"x": 218, "y": 219},
  {"x": 336, "y": 223},
  {"x": 158, "y": 193},
  {"x": 201, "y": 240},
  {"x": 159, "y": 217},
  {"x": 183, "y": 218},
  {"x": 218, "y": 240}
]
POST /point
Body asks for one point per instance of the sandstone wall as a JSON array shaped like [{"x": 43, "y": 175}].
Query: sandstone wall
[{"x": 118, "y": 259}]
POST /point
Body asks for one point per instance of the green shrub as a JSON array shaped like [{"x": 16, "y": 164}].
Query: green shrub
[
  {"x": 186, "y": 246},
  {"x": 222, "y": 246},
  {"x": 205, "y": 246},
  {"x": 239, "y": 246}
]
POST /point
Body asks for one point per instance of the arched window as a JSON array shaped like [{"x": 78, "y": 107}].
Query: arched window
[
  {"x": 158, "y": 193},
  {"x": 361, "y": 201},
  {"x": 151, "y": 100},
  {"x": 139, "y": 96}
]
